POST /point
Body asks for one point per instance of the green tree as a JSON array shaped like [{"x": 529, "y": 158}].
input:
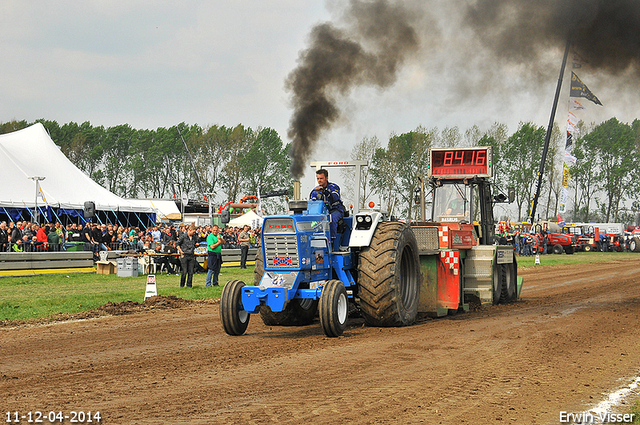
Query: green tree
[
  {"x": 450, "y": 137},
  {"x": 240, "y": 141},
  {"x": 182, "y": 169},
  {"x": 116, "y": 160},
  {"x": 636, "y": 131},
  {"x": 553, "y": 172},
  {"x": 84, "y": 148},
  {"x": 496, "y": 137},
  {"x": 384, "y": 172},
  {"x": 362, "y": 151},
  {"x": 408, "y": 151},
  {"x": 212, "y": 153},
  {"x": 521, "y": 155},
  {"x": 614, "y": 146},
  {"x": 265, "y": 167},
  {"x": 13, "y": 125}
]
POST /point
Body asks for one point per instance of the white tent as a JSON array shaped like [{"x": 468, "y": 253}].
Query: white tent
[
  {"x": 249, "y": 218},
  {"x": 165, "y": 209},
  {"x": 31, "y": 153}
]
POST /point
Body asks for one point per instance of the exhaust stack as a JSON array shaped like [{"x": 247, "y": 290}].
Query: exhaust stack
[{"x": 296, "y": 190}]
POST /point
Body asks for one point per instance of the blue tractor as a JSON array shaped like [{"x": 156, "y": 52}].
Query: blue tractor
[
  {"x": 300, "y": 273},
  {"x": 387, "y": 271}
]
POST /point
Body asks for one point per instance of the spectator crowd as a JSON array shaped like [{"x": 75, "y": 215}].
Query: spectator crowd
[{"x": 25, "y": 236}]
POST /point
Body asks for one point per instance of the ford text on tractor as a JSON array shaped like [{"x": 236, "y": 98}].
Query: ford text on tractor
[{"x": 387, "y": 271}]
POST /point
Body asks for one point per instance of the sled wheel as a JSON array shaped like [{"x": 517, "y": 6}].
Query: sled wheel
[
  {"x": 509, "y": 283},
  {"x": 232, "y": 314},
  {"x": 333, "y": 308},
  {"x": 496, "y": 283}
]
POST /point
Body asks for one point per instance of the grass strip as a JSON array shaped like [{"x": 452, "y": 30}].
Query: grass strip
[{"x": 42, "y": 296}]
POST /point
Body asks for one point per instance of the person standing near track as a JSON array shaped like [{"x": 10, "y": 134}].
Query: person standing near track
[
  {"x": 186, "y": 246},
  {"x": 214, "y": 258},
  {"x": 244, "y": 239}
]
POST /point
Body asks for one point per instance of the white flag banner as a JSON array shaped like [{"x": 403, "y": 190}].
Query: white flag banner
[
  {"x": 576, "y": 105},
  {"x": 572, "y": 123},
  {"x": 564, "y": 194},
  {"x": 570, "y": 159}
]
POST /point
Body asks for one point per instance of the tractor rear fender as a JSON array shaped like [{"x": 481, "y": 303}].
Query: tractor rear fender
[{"x": 364, "y": 226}]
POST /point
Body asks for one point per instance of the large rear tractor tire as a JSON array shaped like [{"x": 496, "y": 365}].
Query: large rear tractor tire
[
  {"x": 298, "y": 312},
  {"x": 258, "y": 269},
  {"x": 232, "y": 314},
  {"x": 634, "y": 245},
  {"x": 557, "y": 249},
  {"x": 509, "y": 286},
  {"x": 389, "y": 276},
  {"x": 588, "y": 248},
  {"x": 333, "y": 308}
]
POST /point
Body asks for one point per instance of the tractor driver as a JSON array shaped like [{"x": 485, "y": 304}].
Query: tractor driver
[
  {"x": 456, "y": 206},
  {"x": 330, "y": 194}
]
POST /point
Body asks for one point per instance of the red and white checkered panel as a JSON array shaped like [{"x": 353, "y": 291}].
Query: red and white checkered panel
[
  {"x": 443, "y": 236},
  {"x": 452, "y": 258}
]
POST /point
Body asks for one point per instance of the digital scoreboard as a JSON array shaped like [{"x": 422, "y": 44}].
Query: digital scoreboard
[{"x": 459, "y": 163}]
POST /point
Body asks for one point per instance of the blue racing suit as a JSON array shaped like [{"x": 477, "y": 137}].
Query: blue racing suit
[{"x": 331, "y": 197}]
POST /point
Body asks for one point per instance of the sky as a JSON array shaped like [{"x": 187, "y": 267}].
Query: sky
[{"x": 158, "y": 63}]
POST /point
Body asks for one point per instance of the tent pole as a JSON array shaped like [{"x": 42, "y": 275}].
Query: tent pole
[
  {"x": 141, "y": 223},
  {"x": 57, "y": 217},
  {"x": 117, "y": 219}
]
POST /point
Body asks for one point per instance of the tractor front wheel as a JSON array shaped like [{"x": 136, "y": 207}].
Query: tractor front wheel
[
  {"x": 333, "y": 308},
  {"x": 234, "y": 317}
]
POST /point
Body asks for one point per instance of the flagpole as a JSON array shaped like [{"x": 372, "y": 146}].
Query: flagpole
[
  {"x": 37, "y": 180},
  {"x": 547, "y": 137}
]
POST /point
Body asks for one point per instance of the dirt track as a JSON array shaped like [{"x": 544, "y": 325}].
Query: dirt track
[{"x": 573, "y": 336}]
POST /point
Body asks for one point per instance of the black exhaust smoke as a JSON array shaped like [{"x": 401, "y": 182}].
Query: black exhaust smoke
[
  {"x": 476, "y": 42},
  {"x": 604, "y": 33},
  {"x": 368, "y": 51}
]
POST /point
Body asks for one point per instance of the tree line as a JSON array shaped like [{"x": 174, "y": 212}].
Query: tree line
[
  {"x": 232, "y": 162},
  {"x": 603, "y": 186},
  {"x": 229, "y": 162}
]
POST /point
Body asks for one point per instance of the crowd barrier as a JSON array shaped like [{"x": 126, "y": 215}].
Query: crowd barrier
[
  {"x": 38, "y": 262},
  {"x": 72, "y": 260}
]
